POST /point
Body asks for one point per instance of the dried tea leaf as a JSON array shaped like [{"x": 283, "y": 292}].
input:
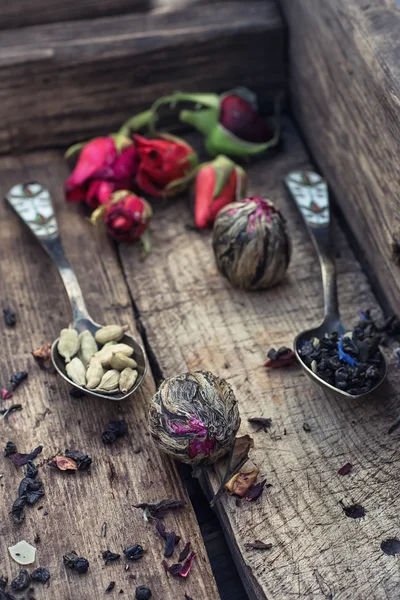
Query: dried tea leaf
[
  {"x": 257, "y": 545},
  {"x": 264, "y": 423},
  {"x": 109, "y": 556},
  {"x": 110, "y": 587},
  {"x": 171, "y": 539},
  {"x": 10, "y": 318},
  {"x": 158, "y": 510},
  {"x": 64, "y": 463},
  {"x": 242, "y": 481},
  {"x": 280, "y": 358}
]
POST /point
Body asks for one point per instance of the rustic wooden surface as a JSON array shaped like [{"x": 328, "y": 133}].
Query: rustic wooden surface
[
  {"x": 58, "y": 81},
  {"x": 345, "y": 88},
  {"x": 195, "y": 320},
  {"x": 22, "y": 13},
  {"x": 76, "y": 505}
]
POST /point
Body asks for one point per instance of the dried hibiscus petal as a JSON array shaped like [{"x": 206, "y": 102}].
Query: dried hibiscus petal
[
  {"x": 185, "y": 552},
  {"x": 187, "y": 565},
  {"x": 171, "y": 539},
  {"x": 18, "y": 378},
  {"x": 21, "y": 459},
  {"x": 280, "y": 358},
  {"x": 255, "y": 491},
  {"x": 82, "y": 460},
  {"x": 64, "y": 463},
  {"x": 5, "y": 394},
  {"x": 346, "y": 469},
  {"x": 175, "y": 569},
  {"x": 257, "y": 545}
]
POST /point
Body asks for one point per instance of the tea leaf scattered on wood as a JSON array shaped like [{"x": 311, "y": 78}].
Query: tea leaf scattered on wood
[
  {"x": 188, "y": 597},
  {"x": 10, "y": 448},
  {"x": 185, "y": 552},
  {"x": 18, "y": 510},
  {"x": 114, "y": 430},
  {"x": 264, "y": 423},
  {"x": 110, "y": 587},
  {"x": 75, "y": 562},
  {"x": 158, "y": 510},
  {"x": 10, "y": 409},
  {"x": 40, "y": 575},
  {"x": 171, "y": 539},
  {"x": 21, "y": 582},
  {"x": 10, "y": 318},
  {"x": 306, "y": 427},
  {"x": 346, "y": 469},
  {"x": 18, "y": 378},
  {"x": 142, "y": 593},
  {"x": 277, "y": 359},
  {"x": 258, "y": 545},
  {"x": 109, "y": 556},
  {"x": 134, "y": 552}
]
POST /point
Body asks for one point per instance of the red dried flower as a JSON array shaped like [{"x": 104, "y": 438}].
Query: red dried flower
[
  {"x": 105, "y": 164},
  {"x": 165, "y": 165},
  {"x": 127, "y": 216},
  {"x": 5, "y": 394}
]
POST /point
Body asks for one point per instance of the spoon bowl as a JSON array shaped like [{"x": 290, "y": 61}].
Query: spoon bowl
[
  {"x": 33, "y": 204},
  {"x": 310, "y": 193}
]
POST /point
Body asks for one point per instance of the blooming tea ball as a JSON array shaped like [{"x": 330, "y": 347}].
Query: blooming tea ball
[
  {"x": 194, "y": 417},
  {"x": 251, "y": 245}
]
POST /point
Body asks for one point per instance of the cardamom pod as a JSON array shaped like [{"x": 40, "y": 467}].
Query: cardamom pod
[
  {"x": 112, "y": 343},
  {"x": 94, "y": 373},
  {"x": 104, "y": 355},
  {"x": 110, "y": 333},
  {"x": 88, "y": 347},
  {"x": 109, "y": 381},
  {"x": 120, "y": 361},
  {"x": 127, "y": 380},
  {"x": 76, "y": 371},
  {"x": 68, "y": 344}
]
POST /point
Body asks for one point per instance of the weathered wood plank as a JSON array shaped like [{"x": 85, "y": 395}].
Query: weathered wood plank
[
  {"x": 76, "y": 506},
  {"x": 22, "y": 13},
  {"x": 345, "y": 86},
  {"x": 195, "y": 320},
  {"x": 57, "y": 82}
]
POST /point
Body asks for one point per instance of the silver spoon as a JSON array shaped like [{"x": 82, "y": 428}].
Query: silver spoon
[
  {"x": 310, "y": 193},
  {"x": 32, "y": 202}
]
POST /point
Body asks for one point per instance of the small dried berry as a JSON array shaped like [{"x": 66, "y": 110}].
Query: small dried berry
[
  {"x": 41, "y": 575},
  {"x": 81, "y": 565},
  {"x": 114, "y": 430},
  {"x": 134, "y": 552},
  {"x": 143, "y": 593},
  {"x": 10, "y": 448},
  {"x": 108, "y": 437},
  {"x": 18, "y": 378},
  {"x": 10, "y": 317},
  {"x": 21, "y": 582}
]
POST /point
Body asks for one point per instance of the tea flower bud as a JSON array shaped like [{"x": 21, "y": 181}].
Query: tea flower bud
[
  {"x": 251, "y": 245},
  {"x": 194, "y": 417}
]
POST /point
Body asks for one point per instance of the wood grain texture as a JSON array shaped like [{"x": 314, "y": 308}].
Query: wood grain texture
[
  {"x": 22, "y": 13},
  {"x": 131, "y": 471},
  {"x": 195, "y": 320},
  {"x": 65, "y": 82},
  {"x": 345, "y": 90}
]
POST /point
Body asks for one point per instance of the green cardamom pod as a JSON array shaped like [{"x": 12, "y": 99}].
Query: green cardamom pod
[
  {"x": 88, "y": 347},
  {"x": 120, "y": 361},
  {"x": 104, "y": 355},
  {"x": 109, "y": 381},
  {"x": 112, "y": 343},
  {"x": 127, "y": 380},
  {"x": 76, "y": 371},
  {"x": 110, "y": 333},
  {"x": 68, "y": 344},
  {"x": 94, "y": 373}
]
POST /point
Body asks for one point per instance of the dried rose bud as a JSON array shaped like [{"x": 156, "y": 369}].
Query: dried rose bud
[
  {"x": 126, "y": 216},
  {"x": 218, "y": 183},
  {"x": 251, "y": 245},
  {"x": 194, "y": 417},
  {"x": 104, "y": 165},
  {"x": 166, "y": 165}
]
